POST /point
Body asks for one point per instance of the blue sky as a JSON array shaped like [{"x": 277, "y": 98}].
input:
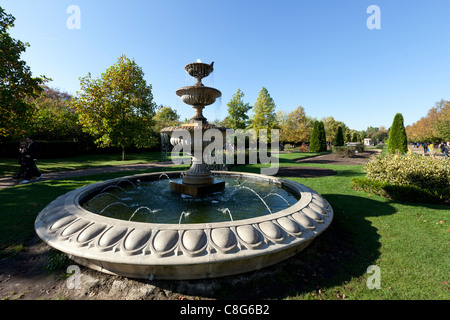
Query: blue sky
[{"x": 315, "y": 53}]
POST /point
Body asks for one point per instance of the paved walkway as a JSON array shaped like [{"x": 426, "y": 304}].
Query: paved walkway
[{"x": 6, "y": 182}]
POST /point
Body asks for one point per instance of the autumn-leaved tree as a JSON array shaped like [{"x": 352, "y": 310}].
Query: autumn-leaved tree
[
  {"x": 434, "y": 127},
  {"x": 442, "y": 124},
  {"x": 295, "y": 126},
  {"x": 17, "y": 84},
  {"x": 118, "y": 107}
]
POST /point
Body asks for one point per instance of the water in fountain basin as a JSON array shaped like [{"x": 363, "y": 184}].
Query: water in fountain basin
[{"x": 241, "y": 202}]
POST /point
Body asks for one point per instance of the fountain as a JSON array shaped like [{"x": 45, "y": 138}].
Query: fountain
[
  {"x": 258, "y": 228},
  {"x": 198, "y": 180}
]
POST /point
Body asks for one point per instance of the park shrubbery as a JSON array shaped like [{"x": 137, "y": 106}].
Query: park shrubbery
[
  {"x": 347, "y": 151},
  {"x": 409, "y": 177}
]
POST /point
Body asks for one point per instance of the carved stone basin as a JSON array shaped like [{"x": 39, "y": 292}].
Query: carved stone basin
[
  {"x": 181, "y": 251},
  {"x": 198, "y": 95}
]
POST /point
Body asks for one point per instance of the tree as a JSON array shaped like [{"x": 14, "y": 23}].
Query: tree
[
  {"x": 442, "y": 124},
  {"x": 339, "y": 137},
  {"x": 16, "y": 82},
  {"x": 237, "y": 111},
  {"x": 264, "y": 113},
  {"x": 118, "y": 108},
  {"x": 434, "y": 127},
  {"x": 166, "y": 117},
  {"x": 54, "y": 119},
  {"x": 318, "y": 141},
  {"x": 397, "y": 136},
  {"x": 331, "y": 128},
  {"x": 381, "y": 135},
  {"x": 294, "y": 127},
  {"x": 322, "y": 137}
]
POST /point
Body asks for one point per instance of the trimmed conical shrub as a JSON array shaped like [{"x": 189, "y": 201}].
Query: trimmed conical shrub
[
  {"x": 318, "y": 142},
  {"x": 322, "y": 137},
  {"x": 339, "y": 137},
  {"x": 397, "y": 141}
]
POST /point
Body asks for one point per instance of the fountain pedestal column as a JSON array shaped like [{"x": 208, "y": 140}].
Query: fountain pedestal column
[
  {"x": 197, "y": 190},
  {"x": 198, "y": 180}
]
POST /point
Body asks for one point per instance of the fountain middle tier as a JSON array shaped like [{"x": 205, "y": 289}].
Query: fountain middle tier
[
  {"x": 198, "y": 96},
  {"x": 198, "y": 180}
]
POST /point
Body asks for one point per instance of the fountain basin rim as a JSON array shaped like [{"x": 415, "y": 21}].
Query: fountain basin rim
[{"x": 181, "y": 251}]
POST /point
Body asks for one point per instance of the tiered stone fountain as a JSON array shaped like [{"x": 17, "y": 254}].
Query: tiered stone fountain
[
  {"x": 198, "y": 180},
  {"x": 183, "y": 251}
]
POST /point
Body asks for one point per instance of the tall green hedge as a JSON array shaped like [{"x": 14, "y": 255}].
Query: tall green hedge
[
  {"x": 397, "y": 136},
  {"x": 318, "y": 142},
  {"x": 339, "y": 137}
]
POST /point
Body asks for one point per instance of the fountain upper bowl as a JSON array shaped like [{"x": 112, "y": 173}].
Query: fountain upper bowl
[{"x": 198, "y": 69}]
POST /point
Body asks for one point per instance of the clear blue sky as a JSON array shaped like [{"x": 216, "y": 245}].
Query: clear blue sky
[{"x": 315, "y": 53}]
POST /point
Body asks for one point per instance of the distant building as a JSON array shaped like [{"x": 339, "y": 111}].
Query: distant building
[{"x": 368, "y": 142}]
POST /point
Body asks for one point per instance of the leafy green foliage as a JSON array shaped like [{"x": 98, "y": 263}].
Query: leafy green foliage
[
  {"x": 410, "y": 176},
  {"x": 318, "y": 141},
  {"x": 237, "y": 111},
  {"x": 332, "y": 127},
  {"x": 405, "y": 193},
  {"x": 118, "y": 108},
  {"x": 166, "y": 117},
  {"x": 339, "y": 137},
  {"x": 264, "y": 113},
  {"x": 16, "y": 82},
  {"x": 344, "y": 151},
  {"x": 397, "y": 136},
  {"x": 57, "y": 260},
  {"x": 55, "y": 119}
]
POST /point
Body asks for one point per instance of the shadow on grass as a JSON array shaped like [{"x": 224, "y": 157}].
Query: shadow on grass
[{"x": 344, "y": 251}]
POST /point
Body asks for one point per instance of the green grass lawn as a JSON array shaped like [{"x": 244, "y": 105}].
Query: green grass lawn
[
  {"x": 8, "y": 166},
  {"x": 409, "y": 243}
]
